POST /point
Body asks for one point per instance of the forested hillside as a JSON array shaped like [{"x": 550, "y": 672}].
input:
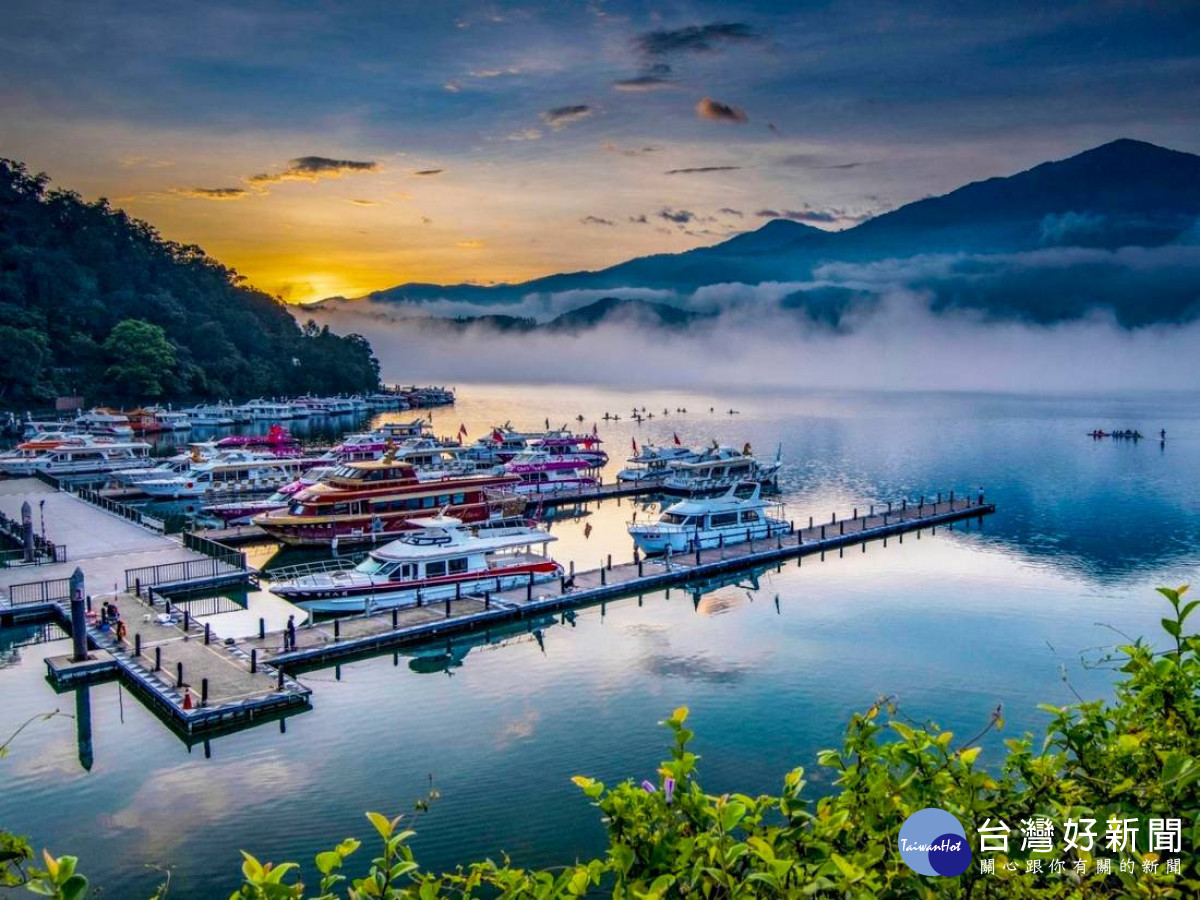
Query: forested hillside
[{"x": 95, "y": 303}]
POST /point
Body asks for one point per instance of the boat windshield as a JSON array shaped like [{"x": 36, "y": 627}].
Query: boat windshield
[
  {"x": 371, "y": 566},
  {"x": 677, "y": 519}
]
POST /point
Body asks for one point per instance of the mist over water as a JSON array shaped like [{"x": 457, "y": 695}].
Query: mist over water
[{"x": 893, "y": 343}]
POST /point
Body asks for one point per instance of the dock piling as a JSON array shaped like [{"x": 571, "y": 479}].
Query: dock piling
[
  {"x": 137, "y": 644},
  {"x": 395, "y": 618},
  {"x": 158, "y": 659},
  {"x": 204, "y": 692},
  {"x": 253, "y": 660},
  {"x": 262, "y": 628},
  {"x": 207, "y": 634},
  {"x": 79, "y": 642},
  {"x": 337, "y": 629},
  {"x": 187, "y": 622},
  {"x": 179, "y": 674}
]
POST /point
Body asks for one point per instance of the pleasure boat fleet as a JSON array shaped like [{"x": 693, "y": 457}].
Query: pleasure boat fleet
[
  {"x": 737, "y": 516},
  {"x": 363, "y": 502},
  {"x": 228, "y": 472},
  {"x": 541, "y": 472},
  {"x": 438, "y": 558},
  {"x": 104, "y": 422},
  {"x": 76, "y": 455}
]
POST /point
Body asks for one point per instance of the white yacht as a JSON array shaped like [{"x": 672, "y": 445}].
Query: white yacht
[
  {"x": 268, "y": 410},
  {"x": 106, "y": 422},
  {"x": 81, "y": 454},
  {"x": 171, "y": 419},
  {"x": 737, "y": 516},
  {"x": 717, "y": 468},
  {"x": 438, "y": 560},
  {"x": 230, "y": 472},
  {"x": 655, "y": 463},
  {"x": 210, "y": 416}
]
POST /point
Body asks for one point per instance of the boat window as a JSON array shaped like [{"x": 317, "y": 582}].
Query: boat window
[
  {"x": 749, "y": 516},
  {"x": 672, "y": 519},
  {"x": 458, "y": 566},
  {"x": 458, "y": 499},
  {"x": 370, "y": 566},
  {"x": 427, "y": 502},
  {"x": 443, "y": 499},
  {"x": 407, "y": 570},
  {"x": 719, "y": 519},
  {"x": 340, "y": 509},
  {"x": 435, "y": 569}
]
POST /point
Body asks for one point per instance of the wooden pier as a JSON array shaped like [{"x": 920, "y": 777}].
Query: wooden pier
[
  {"x": 322, "y": 643},
  {"x": 205, "y": 685}
]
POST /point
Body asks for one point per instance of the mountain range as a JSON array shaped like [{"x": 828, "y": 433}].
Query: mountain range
[{"x": 1113, "y": 229}]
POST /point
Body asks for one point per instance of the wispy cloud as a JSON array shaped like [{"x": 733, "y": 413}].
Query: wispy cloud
[
  {"x": 715, "y": 111},
  {"x": 224, "y": 193},
  {"x": 596, "y": 220},
  {"x": 639, "y": 220},
  {"x": 629, "y": 151},
  {"x": 525, "y": 134},
  {"x": 678, "y": 216},
  {"x": 695, "y": 38},
  {"x": 814, "y": 215},
  {"x": 470, "y": 245},
  {"x": 314, "y": 168},
  {"x": 695, "y": 170},
  {"x": 452, "y": 86},
  {"x": 495, "y": 73},
  {"x": 357, "y": 202},
  {"x": 561, "y": 116},
  {"x": 729, "y": 211}
]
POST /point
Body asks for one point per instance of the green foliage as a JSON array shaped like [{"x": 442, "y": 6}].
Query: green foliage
[
  {"x": 72, "y": 274},
  {"x": 1135, "y": 757}
]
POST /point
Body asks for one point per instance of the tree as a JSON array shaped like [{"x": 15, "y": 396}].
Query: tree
[{"x": 141, "y": 359}]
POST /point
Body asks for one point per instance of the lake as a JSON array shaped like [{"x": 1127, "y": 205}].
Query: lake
[{"x": 772, "y": 665}]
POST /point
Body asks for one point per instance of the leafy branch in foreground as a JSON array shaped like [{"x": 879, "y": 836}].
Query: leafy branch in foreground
[{"x": 1134, "y": 758}]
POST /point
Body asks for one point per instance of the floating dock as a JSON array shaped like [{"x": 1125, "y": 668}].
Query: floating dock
[
  {"x": 322, "y": 643},
  {"x": 203, "y": 684}
]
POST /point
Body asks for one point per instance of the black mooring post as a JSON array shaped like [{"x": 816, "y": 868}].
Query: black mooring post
[
  {"x": 395, "y": 618},
  {"x": 280, "y": 679},
  {"x": 810, "y": 525},
  {"x": 487, "y": 599},
  {"x": 187, "y": 621},
  {"x": 137, "y": 587},
  {"x": 137, "y": 644},
  {"x": 204, "y": 692},
  {"x": 842, "y": 527},
  {"x": 178, "y": 673},
  {"x": 337, "y": 629},
  {"x": 856, "y": 512},
  {"x": 610, "y": 562},
  {"x": 79, "y": 643},
  {"x": 207, "y": 634},
  {"x": 262, "y": 628},
  {"x": 253, "y": 660},
  {"x": 447, "y": 607},
  {"x": 158, "y": 659},
  {"x": 822, "y": 532},
  {"x": 603, "y": 579}
]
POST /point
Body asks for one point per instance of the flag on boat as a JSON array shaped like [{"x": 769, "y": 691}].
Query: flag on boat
[
  {"x": 497, "y": 436},
  {"x": 587, "y": 530},
  {"x": 678, "y": 443},
  {"x": 462, "y": 430},
  {"x": 634, "y": 442},
  {"x": 589, "y": 442}
]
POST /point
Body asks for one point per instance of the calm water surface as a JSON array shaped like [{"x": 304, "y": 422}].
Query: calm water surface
[{"x": 771, "y": 665}]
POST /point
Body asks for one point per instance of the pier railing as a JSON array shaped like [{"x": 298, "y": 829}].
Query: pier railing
[
  {"x": 29, "y": 592},
  {"x": 186, "y": 572},
  {"x": 44, "y": 551},
  {"x": 124, "y": 510}
]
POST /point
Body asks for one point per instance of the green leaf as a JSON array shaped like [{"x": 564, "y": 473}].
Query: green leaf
[
  {"x": 1171, "y": 627},
  {"x": 328, "y": 862},
  {"x": 968, "y": 756},
  {"x": 731, "y": 813},
  {"x": 382, "y": 824},
  {"x": 905, "y": 732}
]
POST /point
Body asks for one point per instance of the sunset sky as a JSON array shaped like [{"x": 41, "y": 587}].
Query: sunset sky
[{"x": 326, "y": 148}]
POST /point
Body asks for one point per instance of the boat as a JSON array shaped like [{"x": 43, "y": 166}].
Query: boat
[
  {"x": 268, "y": 410},
  {"x": 104, "y": 422},
  {"x": 229, "y": 472},
  {"x": 653, "y": 463},
  {"x": 143, "y": 421},
  {"x": 543, "y": 473},
  {"x": 37, "y": 446},
  {"x": 585, "y": 447},
  {"x": 403, "y": 431},
  {"x": 502, "y": 444},
  {"x": 362, "y": 502},
  {"x": 209, "y": 416},
  {"x": 170, "y": 419},
  {"x": 737, "y": 516},
  {"x": 277, "y": 440},
  {"x": 35, "y": 430},
  {"x": 718, "y": 468},
  {"x": 438, "y": 559},
  {"x": 81, "y": 454}
]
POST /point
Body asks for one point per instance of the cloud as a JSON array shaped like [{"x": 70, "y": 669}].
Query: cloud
[
  {"x": 715, "y": 111},
  {"x": 425, "y": 220},
  {"x": 678, "y": 216},
  {"x": 363, "y": 202},
  {"x": 562, "y": 116},
  {"x": 695, "y": 38},
  {"x": 470, "y": 245},
  {"x": 596, "y": 220},
  {"x": 225, "y": 193},
  {"x": 610, "y": 147},
  {"x": 495, "y": 73},
  {"x": 639, "y": 220},
  {"x": 731, "y": 212},
  {"x": 429, "y": 171},
  {"x": 452, "y": 86},
  {"x": 814, "y": 215},
  {"x": 653, "y": 78},
  {"x": 527, "y": 134},
  {"x": 313, "y": 168},
  {"x": 698, "y": 169},
  {"x": 815, "y": 161}
]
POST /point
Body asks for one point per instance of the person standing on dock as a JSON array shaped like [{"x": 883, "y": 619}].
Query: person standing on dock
[{"x": 289, "y": 634}]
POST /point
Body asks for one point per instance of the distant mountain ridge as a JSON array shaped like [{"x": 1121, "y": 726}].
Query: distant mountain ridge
[{"x": 1124, "y": 194}]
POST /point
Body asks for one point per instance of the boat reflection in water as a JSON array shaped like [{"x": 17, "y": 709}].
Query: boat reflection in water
[{"x": 444, "y": 658}]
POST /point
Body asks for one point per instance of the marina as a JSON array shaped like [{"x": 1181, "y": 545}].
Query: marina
[{"x": 198, "y": 680}]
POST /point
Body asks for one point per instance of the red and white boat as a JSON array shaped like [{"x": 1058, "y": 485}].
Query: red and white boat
[
  {"x": 364, "y": 502},
  {"x": 546, "y": 473},
  {"x": 437, "y": 559}
]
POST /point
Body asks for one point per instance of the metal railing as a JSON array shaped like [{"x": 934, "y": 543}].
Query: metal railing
[
  {"x": 44, "y": 551},
  {"x": 182, "y": 573},
  {"x": 53, "y": 591},
  {"x": 287, "y": 573},
  {"x": 124, "y": 510}
]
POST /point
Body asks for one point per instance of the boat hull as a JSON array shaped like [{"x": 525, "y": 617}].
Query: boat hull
[
  {"x": 325, "y": 595},
  {"x": 655, "y": 540}
]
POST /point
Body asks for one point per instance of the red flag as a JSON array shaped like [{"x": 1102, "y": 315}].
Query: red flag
[
  {"x": 677, "y": 441},
  {"x": 589, "y": 443},
  {"x": 462, "y": 429},
  {"x": 634, "y": 442},
  {"x": 497, "y": 436}
]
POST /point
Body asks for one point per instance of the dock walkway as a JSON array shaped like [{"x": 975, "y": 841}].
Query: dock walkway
[{"x": 321, "y": 643}]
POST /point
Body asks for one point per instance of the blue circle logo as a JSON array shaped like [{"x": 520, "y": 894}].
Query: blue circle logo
[{"x": 933, "y": 842}]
